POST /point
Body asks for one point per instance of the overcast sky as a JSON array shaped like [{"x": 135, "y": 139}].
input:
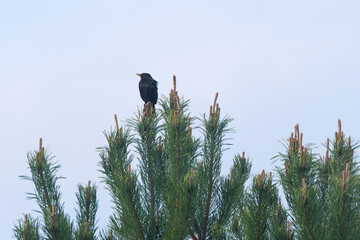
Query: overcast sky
[{"x": 66, "y": 67}]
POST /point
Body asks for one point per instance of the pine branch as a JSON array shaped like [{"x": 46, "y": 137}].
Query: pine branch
[
  {"x": 27, "y": 228},
  {"x": 86, "y": 213},
  {"x": 122, "y": 183},
  {"x": 258, "y": 215},
  {"x": 151, "y": 166},
  {"x": 301, "y": 187},
  {"x": 180, "y": 150},
  {"x": 56, "y": 224},
  {"x": 190, "y": 190},
  {"x": 214, "y": 131},
  {"x": 342, "y": 201}
]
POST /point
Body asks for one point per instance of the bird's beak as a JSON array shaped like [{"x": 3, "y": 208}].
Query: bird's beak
[{"x": 138, "y": 74}]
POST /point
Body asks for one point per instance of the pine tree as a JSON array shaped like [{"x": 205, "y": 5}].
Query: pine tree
[{"x": 177, "y": 190}]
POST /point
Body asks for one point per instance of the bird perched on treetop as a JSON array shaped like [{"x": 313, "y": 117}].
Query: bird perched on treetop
[{"x": 148, "y": 88}]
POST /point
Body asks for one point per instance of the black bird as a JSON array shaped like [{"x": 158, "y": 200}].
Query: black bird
[{"x": 148, "y": 89}]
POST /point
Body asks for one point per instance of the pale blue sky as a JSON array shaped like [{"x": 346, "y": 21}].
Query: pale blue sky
[{"x": 66, "y": 67}]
